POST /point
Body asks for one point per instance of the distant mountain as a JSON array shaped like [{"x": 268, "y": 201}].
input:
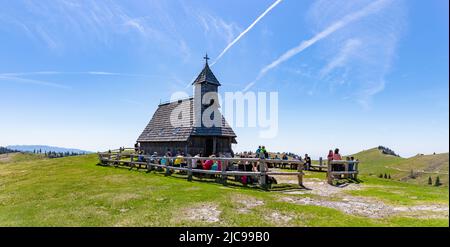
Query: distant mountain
[
  {"x": 4, "y": 150},
  {"x": 43, "y": 148}
]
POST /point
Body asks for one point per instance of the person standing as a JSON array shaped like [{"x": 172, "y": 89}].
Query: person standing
[{"x": 307, "y": 162}]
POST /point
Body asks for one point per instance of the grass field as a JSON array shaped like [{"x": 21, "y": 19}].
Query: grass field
[
  {"x": 74, "y": 191},
  {"x": 373, "y": 162}
]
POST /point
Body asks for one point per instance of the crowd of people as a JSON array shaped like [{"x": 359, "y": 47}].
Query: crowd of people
[{"x": 177, "y": 159}]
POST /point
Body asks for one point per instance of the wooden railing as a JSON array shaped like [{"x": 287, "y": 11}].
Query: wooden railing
[
  {"x": 338, "y": 168},
  {"x": 128, "y": 158}
]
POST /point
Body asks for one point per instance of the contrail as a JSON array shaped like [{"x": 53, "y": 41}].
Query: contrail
[
  {"x": 374, "y": 6},
  {"x": 246, "y": 30},
  {"x": 37, "y": 82}
]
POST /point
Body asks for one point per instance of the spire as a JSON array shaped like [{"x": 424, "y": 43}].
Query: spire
[{"x": 206, "y": 76}]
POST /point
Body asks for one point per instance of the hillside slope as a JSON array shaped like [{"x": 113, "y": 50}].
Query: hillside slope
[
  {"x": 374, "y": 162},
  {"x": 74, "y": 191}
]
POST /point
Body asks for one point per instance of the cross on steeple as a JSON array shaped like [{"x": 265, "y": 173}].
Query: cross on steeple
[{"x": 206, "y": 58}]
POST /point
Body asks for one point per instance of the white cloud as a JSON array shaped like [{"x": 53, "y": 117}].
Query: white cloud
[
  {"x": 230, "y": 44},
  {"x": 364, "y": 36},
  {"x": 16, "y": 79}
]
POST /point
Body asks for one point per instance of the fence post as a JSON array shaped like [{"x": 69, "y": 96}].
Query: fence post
[
  {"x": 262, "y": 170},
  {"x": 131, "y": 161},
  {"x": 320, "y": 163},
  {"x": 149, "y": 167},
  {"x": 329, "y": 170},
  {"x": 224, "y": 172},
  {"x": 346, "y": 164},
  {"x": 168, "y": 161},
  {"x": 190, "y": 169},
  {"x": 355, "y": 176},
  {"x": 300, "y": 175}
]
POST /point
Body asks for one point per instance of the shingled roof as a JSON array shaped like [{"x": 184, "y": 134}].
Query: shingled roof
[
  {"x": 160, "y": 128},
  {"x": 206, "y": 76}
]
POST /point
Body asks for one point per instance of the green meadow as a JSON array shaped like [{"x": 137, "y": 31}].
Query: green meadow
[{"x": 75, "y": 191}]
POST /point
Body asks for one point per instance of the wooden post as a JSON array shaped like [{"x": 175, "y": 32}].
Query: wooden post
[
  {"x": 320, "y": 163},
  {"x": 131, "y": 161},
  {"x": 346, "y": 169},
  {"x": 224, "y": 172},
  {"x": 300, "y": 175},
  {"x": 329, "y": 170},
  {"x": 167, "y": 167},
  {"x": 190, "y": 170},
  {"x": 262, "y": 170},
  {"x": 355, "y": 168},
  {"x": 149, "y": 167}
]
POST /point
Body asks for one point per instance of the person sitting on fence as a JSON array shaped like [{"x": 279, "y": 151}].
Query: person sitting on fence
[
  {"x": 337, "y": 156},
  {"x": 285, "y": 157},
  {"x": 307, "y": 162},
  {"x": 152, "y": 161},
  {"x": 329, "y": 159},
  {"x": 178, "y": 160},
  {"x": 258, "y": 151},
  {"x": 208, "y": 163},
  {"x": 141, "y": 156},
  {"x": 263, "y": 154}
]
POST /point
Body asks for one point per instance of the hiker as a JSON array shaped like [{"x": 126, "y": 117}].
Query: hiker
[
  {"x": 336, "y": 155},
  {"x": 152, "y": 161},
  {"x": 258, "y": 151},
  {"x": 307, "y": 162},
  {"x": 208, "y": 163},
  {"x": 285, "y": 157},
  {"x": 196, "y": 161},
  {"x": 351, "y": 164},
  {"x": 263, "y": 154}
]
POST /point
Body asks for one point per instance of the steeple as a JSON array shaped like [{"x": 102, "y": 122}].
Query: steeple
[{"x": 206, "y": 76}]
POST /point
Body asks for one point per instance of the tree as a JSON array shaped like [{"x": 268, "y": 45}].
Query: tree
[
  {"x": 430, "y": 181},
  {"x": 437, "y": 182}
]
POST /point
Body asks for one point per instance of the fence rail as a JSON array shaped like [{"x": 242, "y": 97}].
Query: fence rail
[
  {"x": 127, "y": 157},
  {"x": 121, "y": 158}
]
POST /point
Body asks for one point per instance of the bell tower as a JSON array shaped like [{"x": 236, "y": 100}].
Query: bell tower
[{"x": 205, "y": 93}]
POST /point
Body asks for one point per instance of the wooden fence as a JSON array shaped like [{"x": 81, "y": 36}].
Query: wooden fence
[
  {"x": 128, "y": 158},
  {"x": 338, "y": 168}
]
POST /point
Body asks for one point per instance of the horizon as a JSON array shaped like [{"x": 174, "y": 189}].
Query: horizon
[{"x": 352, "y": 75}]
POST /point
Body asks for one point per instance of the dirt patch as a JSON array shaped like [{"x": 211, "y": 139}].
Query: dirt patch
[
  {"x": 205, "y": 212},
  {"x": 373, "y": 209},
  {"x": 4, "y": 158},
  {"x": 278, "y": 218},
  {"x": 325, "y": 189},
  {"x": 246, "y": 203}
]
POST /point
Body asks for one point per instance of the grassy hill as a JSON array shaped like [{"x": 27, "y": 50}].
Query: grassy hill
[
  {"x": 74, "y": 191},
  {"x": 374, "y": 162}
]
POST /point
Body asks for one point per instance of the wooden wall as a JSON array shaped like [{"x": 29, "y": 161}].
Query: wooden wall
[{"x": 195, "y": 145}]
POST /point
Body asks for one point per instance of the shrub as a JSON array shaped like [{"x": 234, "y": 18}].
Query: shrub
[
  {"x": 380, "y": 176},
  {"x": 389, "y": 176},
  {"x": 430, "y": 181},
  {"x": 437, "y": 182},
  {"x": 385, "y": 175}
]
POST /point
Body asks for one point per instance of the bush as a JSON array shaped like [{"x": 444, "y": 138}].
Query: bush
[
  {"x": 430, "y": 181},
  {"x": 437, "y": 182},
  {"x": 385, "y": 175},
  {"x": 380, "y": 176},
  {"x": 389, "y": 176}
]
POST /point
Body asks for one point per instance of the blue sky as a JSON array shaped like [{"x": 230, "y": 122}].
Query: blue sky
[{"x": 350, "y": 74}]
